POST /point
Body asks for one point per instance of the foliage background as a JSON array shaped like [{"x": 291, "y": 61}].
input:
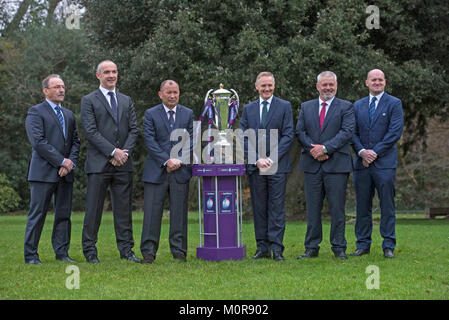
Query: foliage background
[{"x": 203, "y": 43}]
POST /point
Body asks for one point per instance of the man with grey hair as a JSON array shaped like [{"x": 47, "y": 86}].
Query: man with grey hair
[
  {"x": 52, "y": 132},
  {"x": 109, "y": 123},
  {"x": 324, "y": 130}
]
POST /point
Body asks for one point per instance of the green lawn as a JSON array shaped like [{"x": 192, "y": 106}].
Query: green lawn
[{"x": 419, "y": 271}]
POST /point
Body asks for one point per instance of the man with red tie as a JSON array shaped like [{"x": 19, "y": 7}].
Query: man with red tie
[{"x": 324, "y": 130}]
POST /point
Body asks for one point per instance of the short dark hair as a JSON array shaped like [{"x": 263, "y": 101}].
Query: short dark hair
[{"x": 46, "y": 81}]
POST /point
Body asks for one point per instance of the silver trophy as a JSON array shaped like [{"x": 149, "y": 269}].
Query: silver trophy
[{"x": 221, "y": 109}]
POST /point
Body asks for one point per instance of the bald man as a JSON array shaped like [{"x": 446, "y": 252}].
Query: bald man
[{"x": 379, "y": 125}]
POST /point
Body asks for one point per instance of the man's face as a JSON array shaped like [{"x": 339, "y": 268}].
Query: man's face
[
  {"x": 265, "y": 87},
  {"x": 327, "y": 87},
  {"x": 108, "y": 75},
  {"x": 376, "y": 82},
  {"x": 55, "y": 91},
  {"x": 170, "y": 95}
]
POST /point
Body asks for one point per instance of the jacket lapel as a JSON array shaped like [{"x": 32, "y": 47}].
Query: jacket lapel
[
  {"x": 271, "y": 111},
  {"x": 164, "y": 117},
  {"x": 104, "y": 102},
  {"x": 330, "y": 113},
  {"x": 379, "y": 109},
  {"x": 55, "y": 118}
]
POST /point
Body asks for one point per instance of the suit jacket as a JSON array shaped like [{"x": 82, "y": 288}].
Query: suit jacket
[
  {"x": 156, "y": 133},
  {"x": 336, "y": 136},
  {"x": 49, "y": 145},
  {"x": 104, "y": 134},
  {"x": 279, "y": 118},
  {"x": 383, "y": 133}
]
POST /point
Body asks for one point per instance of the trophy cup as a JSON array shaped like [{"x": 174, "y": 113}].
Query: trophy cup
[{"x": 221, "y": 107}]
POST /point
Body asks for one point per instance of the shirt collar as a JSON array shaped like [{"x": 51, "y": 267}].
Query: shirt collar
[
  {"x": 53, "y": 105},
  {"x": 328, "y": 102},
  {"x": 378, "y": 96},
  {"x": 106, "y": 91},
  {"x": 167, "y": 109},
  {"x": 262, "y": 100}
]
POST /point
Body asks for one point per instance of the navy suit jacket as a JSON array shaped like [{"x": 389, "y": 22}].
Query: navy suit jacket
[
  {"x": 336, "y": 136},
  {"x": 49, "y": 145},
  {"x": 156, "y": 133},
  {"x": 279, "y": 118},
  {"x": 104, "y": 134},
  {"x": 383, "y": 133}
]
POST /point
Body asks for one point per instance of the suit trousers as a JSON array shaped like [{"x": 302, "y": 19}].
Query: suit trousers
[
  {"x": 41, "y": 194},
  {"x": 120, "y": 185},
  {"x": 268, "y": 201},
  {"x": 155, "y": 195},
  {"x": 366, "y": 181},
  {"x": 332, "y": 186}
]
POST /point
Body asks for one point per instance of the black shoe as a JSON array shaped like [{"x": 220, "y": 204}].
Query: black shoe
[
  {"x": 180, "y": 256},
  {"x": 261, "y": 255},
  {"x": 309, "y": 254},
  {"x": 388, "y": 253},
  {"x": 33, "y": 261},
  {"x": 148, "y": 258},
  {"x": 92, "y": 259},
  {"x": 66, "y": 259},
  {"x": 340, "y": 255},
  {"x": 360, "y": 252},
  {"x": 131, "y": 257},
  {"x": 277, "y": 256}
]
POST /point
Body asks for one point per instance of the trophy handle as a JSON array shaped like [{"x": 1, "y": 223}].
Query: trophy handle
[
  {"x": 207, "y": 95},
  {"x": 236, "y": 95}
]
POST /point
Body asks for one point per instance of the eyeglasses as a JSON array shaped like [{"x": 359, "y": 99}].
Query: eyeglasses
[{"x": 57, "y": 87}]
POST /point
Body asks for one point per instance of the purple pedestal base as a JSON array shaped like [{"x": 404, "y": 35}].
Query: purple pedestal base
[{"x": 216, "y": 254}]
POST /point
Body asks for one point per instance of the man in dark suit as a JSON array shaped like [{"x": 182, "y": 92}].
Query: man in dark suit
[
  {"x": 268, "y": 169},
  {"x": 110, "y": 126},
  {"x": 379, "y": 125},
  {"x": 324, "y": 130},
  {"x": 52, "y": 132},
  {"x": 166, "y": 172}
]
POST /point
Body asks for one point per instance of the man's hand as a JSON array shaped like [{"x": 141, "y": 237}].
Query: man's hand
[
  {"x": 68, "y": 164},
  {"x": 173, "y": 164},
  {"x": 368, "y": 156},
  {"x": 263, "y": 164},
  {"x": 317, "y": 151},
  {"x": 365, "y": 163},
  {"x": 63, "y": 172},
  {"x": 120, "y": 156},
  {"x": 324, "y": 157}
]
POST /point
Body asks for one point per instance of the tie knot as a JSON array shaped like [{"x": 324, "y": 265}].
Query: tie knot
[
  {"x": 111, "y": 93},
  {"x": 265, "y": 103},
  {"x": 171, "y": 112},
  {"x": 373, "y": 99},
  {"x": 324, "y": 104}
]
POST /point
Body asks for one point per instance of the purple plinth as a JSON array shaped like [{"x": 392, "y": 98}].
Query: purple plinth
[{"x": 220, "y": 179}]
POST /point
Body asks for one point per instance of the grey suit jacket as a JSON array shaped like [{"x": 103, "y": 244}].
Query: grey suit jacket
[
  {"x": 104, "y": 134},
  {"x": 49, "y": 145},
  {"x": 336, "y": 136}
]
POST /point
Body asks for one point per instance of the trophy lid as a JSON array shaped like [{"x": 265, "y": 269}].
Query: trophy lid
[{"x": 222, "y": 90}]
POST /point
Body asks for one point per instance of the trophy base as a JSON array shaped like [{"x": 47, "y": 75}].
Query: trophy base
[{"x": 218, "y": 254}]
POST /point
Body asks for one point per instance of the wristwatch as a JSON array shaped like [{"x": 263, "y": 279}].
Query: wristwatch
[{"x": 324, "y": 149}]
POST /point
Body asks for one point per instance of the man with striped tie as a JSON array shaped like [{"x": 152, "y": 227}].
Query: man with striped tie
[
  {"x": 379, "y": 125},
  {"x": 52, "y": 132}
]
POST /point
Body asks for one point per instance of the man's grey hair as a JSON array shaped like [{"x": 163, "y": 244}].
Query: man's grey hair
[
  {"x": 326, "y": 74},
  {"x": 167, "y": 82},
  {"x": 99, "y": 65},
  {"x": 46, "y": 81},
  {"x": 265, "y": 74}
]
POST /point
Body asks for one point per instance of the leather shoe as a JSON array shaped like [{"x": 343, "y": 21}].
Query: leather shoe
[
  {"x": 131, "y": 257},
  {"x": 92, "y": 259},
  {"x": 33, "y": 261},
  {"x": 340, "y": 255},
  {"x": 388, "y": 253},
  {"x": 261, "y": 255},
  {"x": 148, "y": 258},
  {"x": 180, "y": 256},
  {"x": 277, "y": 256},
  {"x": 309, "y": 254},
  {"x": 66, "y": 259},
  {"x": 360, "y": 252}
]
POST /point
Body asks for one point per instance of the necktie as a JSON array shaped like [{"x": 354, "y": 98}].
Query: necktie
[
  {"x": 372, "y": 109},
  {"x": 171, "y": 120},
  {"x": 113, "y": 105},
  {"x": 322, "y": 114},
  {"x": 60, "y": 118},
  {"x": 264, "y": 113}
]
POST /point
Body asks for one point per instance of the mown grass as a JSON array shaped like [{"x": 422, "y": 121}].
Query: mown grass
[{"x": 420, "y": 269}]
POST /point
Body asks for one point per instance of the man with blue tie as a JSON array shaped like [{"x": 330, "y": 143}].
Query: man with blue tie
[
  {"x": 166, "y": 172},
  {"x": 109, "y": 123},
  {"x": 267, "y": 171},
  {"x": 379, "y": 125},
  {"x": 52, "y": 132},
  {"x": 324, "y": 130}
]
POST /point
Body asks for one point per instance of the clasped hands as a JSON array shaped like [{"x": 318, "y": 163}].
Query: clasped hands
[
  {"x": 172, "y": 165},
  {"x": 66, "y": 167},
  {"x": 368, "y": 157},
  {"x": 263, "y": 164},
  {"x": 318, "y": 153},
  {"x": 119, "y": 158}
]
